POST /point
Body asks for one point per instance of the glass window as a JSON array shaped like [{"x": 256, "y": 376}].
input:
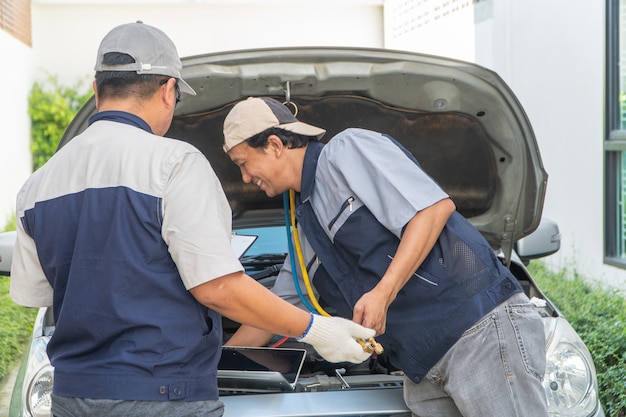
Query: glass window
[{"x": 615, "y": 144}]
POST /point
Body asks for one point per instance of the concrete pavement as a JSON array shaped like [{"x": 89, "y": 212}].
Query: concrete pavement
[{"x": 6, "y": 388}]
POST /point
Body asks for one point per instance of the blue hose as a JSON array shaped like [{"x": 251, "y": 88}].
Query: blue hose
[{"x": 292, "y": 255}]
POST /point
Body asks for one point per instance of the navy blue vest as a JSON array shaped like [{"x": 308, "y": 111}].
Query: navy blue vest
[{"x": 459, "y": 282}]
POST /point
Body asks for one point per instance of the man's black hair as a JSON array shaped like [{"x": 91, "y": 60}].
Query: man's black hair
[
  {"x": 290, "y": 139},
  {"x": 124, "y": 84}
]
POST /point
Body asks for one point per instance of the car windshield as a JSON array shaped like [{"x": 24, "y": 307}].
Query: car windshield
[
  {"x": 271, "y": 240},
  {"x": 264, "y": 258}
]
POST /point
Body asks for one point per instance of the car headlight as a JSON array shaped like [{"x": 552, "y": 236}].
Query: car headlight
[
  {"x": 570, "y": 378},
  {"x": 38, "y": 379}
]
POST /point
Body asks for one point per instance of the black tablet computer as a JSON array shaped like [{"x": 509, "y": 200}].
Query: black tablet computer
[{"x": 261, "y": 369}]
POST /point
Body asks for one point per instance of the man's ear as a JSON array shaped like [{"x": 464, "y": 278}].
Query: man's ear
[
  {"x": 168, "y": 92},
  {"x": 94, "y": 87},
  {"x": 274, "y": 144}
]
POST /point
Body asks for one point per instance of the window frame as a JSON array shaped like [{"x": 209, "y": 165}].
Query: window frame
[{"x": 615, "y": 141}]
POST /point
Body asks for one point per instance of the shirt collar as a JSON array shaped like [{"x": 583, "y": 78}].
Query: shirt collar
[
  {"x": 121, "y": 117},
  {"x": 309, "y": 167}
]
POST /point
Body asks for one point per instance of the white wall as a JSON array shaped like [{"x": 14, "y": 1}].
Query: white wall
[
  {"x": 552, "y": 54},
  {"x": 436, "y": 27},
  {"x": 15, "y": 159},
  {"x": 66, "y": 37}
]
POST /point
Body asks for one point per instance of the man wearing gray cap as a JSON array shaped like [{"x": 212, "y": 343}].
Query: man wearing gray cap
[
  {"x": 126, "y": 235},
  {"x": 385, "y": 247}
]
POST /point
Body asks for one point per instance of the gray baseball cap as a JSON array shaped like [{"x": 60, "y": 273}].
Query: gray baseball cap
[{"x": 153, "y": 51}]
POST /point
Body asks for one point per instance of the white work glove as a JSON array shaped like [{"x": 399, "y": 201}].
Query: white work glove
[{"x": 335, "y": 338}]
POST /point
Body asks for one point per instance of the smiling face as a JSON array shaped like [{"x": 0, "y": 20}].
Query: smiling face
[{"x": 270, "y": 168}]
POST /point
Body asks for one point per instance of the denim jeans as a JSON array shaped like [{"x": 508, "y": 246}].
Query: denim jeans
[
  {"x": 494, "y": 369},
  {"x": 86, "y": 407}
]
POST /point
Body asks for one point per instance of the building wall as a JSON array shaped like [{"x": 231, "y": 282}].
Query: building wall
[
  {"x": 15, "y": 158},
  {"x": 552, "y": 55},
  {"x": 437, "y": 27},
  {"x": 66, "y": 34}
]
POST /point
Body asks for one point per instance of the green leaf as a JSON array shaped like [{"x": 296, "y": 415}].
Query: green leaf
[{"x": 52, "y": 106}]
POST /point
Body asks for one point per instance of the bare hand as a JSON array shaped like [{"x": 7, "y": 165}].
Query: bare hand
[{"x": 371, "y": 311}]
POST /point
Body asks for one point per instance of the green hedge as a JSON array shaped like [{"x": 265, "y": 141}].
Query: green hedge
[
  {"x": 599, "y": 317},
  {"x": 16, "y": 322},
  {"x": 51, "y": 108},
  {"x": 16, "y": 325}
]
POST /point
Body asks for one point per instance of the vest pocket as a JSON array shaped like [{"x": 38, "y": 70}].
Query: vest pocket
[{"x": 345, "y": 205}]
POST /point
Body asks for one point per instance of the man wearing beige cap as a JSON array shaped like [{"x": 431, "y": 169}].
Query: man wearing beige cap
[
  {"x": 386, "y": 248},
  {"x": 136, "y": 276}
]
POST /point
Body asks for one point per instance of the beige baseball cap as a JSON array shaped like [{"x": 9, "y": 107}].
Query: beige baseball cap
[
  {"x": 257, "y": 114},
  {"x": 153, "y": 51}
]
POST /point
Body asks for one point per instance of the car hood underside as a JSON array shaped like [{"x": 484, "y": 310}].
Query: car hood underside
[{"x": 460, "y": 120}]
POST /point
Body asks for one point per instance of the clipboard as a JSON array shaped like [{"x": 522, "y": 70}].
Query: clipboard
[{"x": 241, "y": 243}]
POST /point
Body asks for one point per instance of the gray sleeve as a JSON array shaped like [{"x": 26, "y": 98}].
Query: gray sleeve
[{"x": 381, "y": 175}]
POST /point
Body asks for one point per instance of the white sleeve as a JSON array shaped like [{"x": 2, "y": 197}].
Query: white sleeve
[
  {"x": 197, "y": 222},
  {"x": 29, "y": 286}
]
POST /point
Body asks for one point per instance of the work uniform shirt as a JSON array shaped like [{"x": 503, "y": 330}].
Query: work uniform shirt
[
  {"x": 112, "y": 232},
  {"x": 358, "y": 193}
]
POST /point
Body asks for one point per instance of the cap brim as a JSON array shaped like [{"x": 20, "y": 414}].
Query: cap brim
[
  {"x": 185, "y": 88},
  {"x": 303, "y": 129}
]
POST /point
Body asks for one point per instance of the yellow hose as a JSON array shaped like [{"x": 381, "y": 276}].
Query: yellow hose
[{"x": 305, "y": 275}]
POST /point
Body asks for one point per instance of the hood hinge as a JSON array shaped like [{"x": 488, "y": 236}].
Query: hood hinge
[{"x": 507, "y": 239}]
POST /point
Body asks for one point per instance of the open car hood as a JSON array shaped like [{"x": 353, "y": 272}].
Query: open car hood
[{"x": 460, "y": 120}]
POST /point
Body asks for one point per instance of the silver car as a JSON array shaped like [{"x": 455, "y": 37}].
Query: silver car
[{"x": 467, "y": 130}]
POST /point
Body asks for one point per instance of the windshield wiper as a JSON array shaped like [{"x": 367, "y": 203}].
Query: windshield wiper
[
  {"x": 263, "y": 265},
  {"x": 263, "y": 259}
]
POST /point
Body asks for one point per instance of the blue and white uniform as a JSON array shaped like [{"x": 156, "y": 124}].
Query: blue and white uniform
[{"x": 113, "y": 231}]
